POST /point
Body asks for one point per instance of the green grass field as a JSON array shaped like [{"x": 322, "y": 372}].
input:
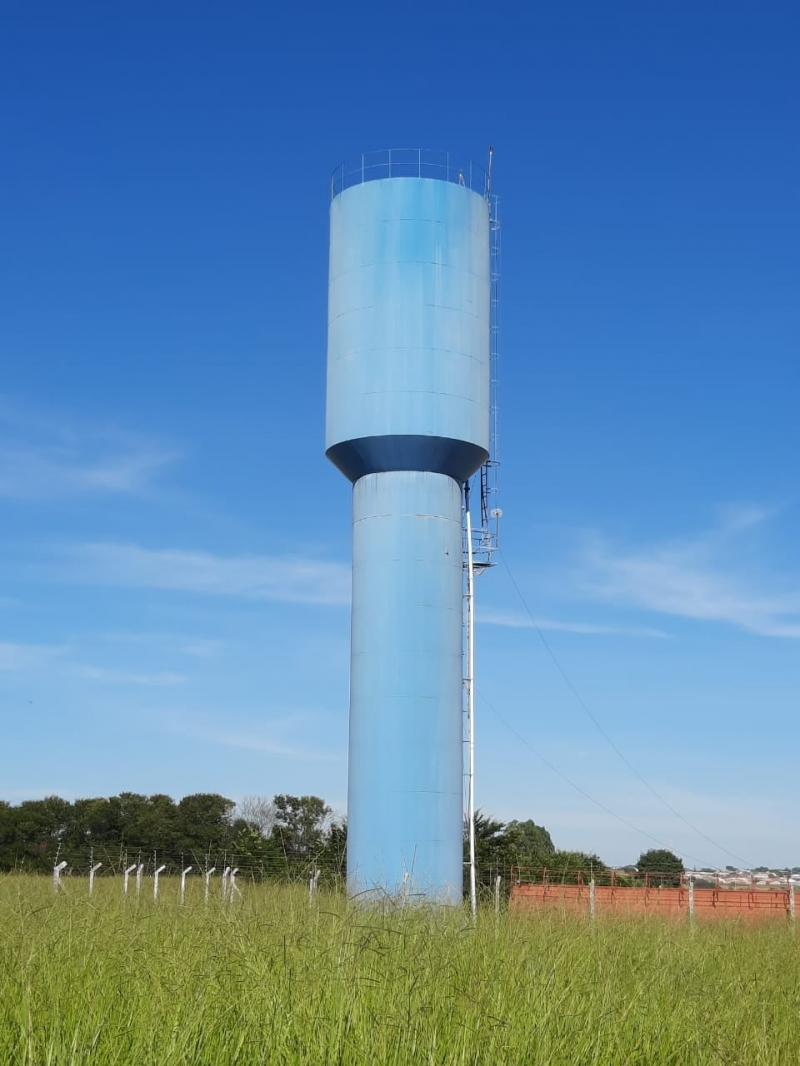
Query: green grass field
[{"x": 274, "y": 979}]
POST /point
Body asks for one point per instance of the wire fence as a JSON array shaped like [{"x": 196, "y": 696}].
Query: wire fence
[{"x": 142, "y": 873}]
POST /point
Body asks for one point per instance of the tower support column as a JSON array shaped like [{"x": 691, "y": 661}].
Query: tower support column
[{"x": 405, "y": 779}]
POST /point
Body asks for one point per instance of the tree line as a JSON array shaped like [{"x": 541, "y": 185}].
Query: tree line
[
  {"x": 278, "y": 836},
  {"x": 285, "y": 837}
]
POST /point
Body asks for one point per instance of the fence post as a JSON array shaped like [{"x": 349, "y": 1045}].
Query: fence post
[
  {"x": 183, "y": 884},
  {"x": 226, "y": 873},
  {"x": 792, "y": 908},
  {"x": 233, "y": 888},
  {"x": 159, "y": 871},
  {"x": 92, "y": 871},
  {"x": 591, "y": 900},
  {"x": 497, "y": 882},
  {"x": 139, "y": 872},
  {"x": 312, "y": 884},
  {"x": 57, "y": 875},
  {"x": 208, "y": 881},
  {"x": 128, "y": 873},
  {"x": 691, "y": 897}
]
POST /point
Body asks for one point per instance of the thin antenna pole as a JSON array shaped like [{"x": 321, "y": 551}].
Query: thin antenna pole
[{"x": 470, "y": 686}]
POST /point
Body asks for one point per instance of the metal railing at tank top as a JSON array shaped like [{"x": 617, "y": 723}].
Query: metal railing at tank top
[{"x": 410, "y": 163}]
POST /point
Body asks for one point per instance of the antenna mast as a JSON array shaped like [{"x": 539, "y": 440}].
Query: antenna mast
[{"x": 481, "y": 542}]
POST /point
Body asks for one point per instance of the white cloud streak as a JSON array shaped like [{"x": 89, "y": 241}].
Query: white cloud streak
[
  {"x": 25, "y": 657},
  {"x": 519, "y": 620},
  {"x": 31, "y": 474},
  {"x": 281, "y": 579},
  {"x": 690, "y": 580},
  {"x": 42, "y": 459},
  {"x": 121, "y": 677},
  {"x": 253, "y": 739}
]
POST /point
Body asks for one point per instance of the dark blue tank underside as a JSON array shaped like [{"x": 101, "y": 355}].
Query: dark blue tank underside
[{"x": 458, "y": 459}]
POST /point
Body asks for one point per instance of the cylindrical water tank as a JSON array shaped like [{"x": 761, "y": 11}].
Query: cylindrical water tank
[{"x": 408, "y": 328}]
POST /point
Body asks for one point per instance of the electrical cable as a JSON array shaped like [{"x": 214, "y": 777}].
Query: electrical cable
[
  {"x": 605, "y": 735},
  {"x": 582, "y": 791}
]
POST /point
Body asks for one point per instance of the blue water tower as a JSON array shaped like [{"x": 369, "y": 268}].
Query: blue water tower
[{"x": 408, "y": 413}]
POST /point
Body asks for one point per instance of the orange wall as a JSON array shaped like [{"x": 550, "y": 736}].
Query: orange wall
[{"x": 613, "y": 900}]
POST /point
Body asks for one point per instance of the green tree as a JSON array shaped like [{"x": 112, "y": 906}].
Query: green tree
[
  {"x": 493, "y": 848},
  {"x": 567, "y": 865},
  {"x": 203, "y": 825},
  {"x": 256, "y": 852},
  {"x": 301, "y": 826},
  {"x": 157, "y": 827},
  {"x": 8, "y": 835},
  {"x": 131, "y": 813},
  {"x": 40, "y": 831},
  {"x": 93, "y": 828},
  {"x": 662, "y": 867},
  {"x": 333, "y": 858},
  {"x": 530, "y": 845}
]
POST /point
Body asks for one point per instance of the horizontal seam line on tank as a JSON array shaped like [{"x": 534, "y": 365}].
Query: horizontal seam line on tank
[
  {"x": 372, "y": 263},
  {"x": 370, "y": 225},
  {"x": 409, "y": 218},
  {"x": 371, "y": 307},
  {"x": 394, "y": 514},
  {"x": 363, "y": 602},
  {"x": 426, "y": 792},
  {"x": 405, "y": 695},
  {"x": 418, "y": 392},
  {"x": 408, "y": 514},
  {"x": 408, "y": 348},
  {"x": 394, "y": 218}
]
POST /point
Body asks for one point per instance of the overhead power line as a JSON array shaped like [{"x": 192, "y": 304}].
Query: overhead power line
[
  {"x": 677, "y": 814},
  {"x": 582, "y": 791}
]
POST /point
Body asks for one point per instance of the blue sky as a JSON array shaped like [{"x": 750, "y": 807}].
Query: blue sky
[{"x": 174, "y": 547}]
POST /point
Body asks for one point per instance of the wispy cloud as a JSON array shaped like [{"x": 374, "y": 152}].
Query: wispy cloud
[
  {"x": 48, "y": 473},
  {"x": 693, "y": 579},
  {"x": 122, "y": 677},
  {"x": 520, "y": 620},
  {"x": 202, "y": 648},
  {"x": 181, "y": 644},
  {"x": 283, "y": 579},
  {"x": 24, "y": 657},
  {"x": 267, "y": 739},
  {"x": 738, "y": 516},
  {"x": 46, "y": 459}
]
